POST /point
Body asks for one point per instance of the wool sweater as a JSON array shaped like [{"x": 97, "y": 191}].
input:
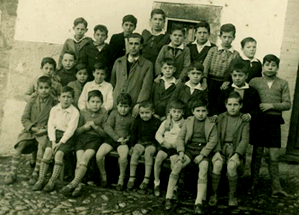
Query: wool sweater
[
  {"x": 66, "y": 76},
  {"x": 78, "y": 87},
  {"x": 278, "y": 94}
]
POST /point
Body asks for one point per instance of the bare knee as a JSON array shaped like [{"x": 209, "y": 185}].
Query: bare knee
[
  {"x": 203, "y": 170},
  {"x": 232, "y": 168},
  {"x": 177, "y": 168},
  {"x": 217, "y": 167},
  {"x": 59, "y": 156}
]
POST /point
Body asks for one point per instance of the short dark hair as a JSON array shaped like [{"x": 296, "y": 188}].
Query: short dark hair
[
  {"x": 130, "y": 18},
  {"x": 124, "y": 98},
  {"x": 239, "y": 66},
  {"x": 158, "y": 11},
  {"x": 271, "y": 57},
  {"x": 234, "y": 95},
  {"x": 146, "y": 104},
  {"x": 100, "y": 66},
  {"x": 102, "y": 28},
  {"x": 247, "y": 40},
  {"x": 80, "y": 66},
  {"x": 67, "y": 89},
  {"x": 70, "y": 52},
  {"x": 136, "y": 35},
  {"x": 203, "y": 24},
  {"x": 198, "y": 103},
  {"x": 178, "y": 27},
  {"x": 168, "y": 61},
  {"x": 80, "y": 20},
  {"x": 95, "y": 93},
  {"x": 176, "y": 104},
  {"x": 196, "y": 65},
  {"x": 228, "y": 28},
  {"x": 44, "y": 79},
  {"x": 48, "y": 60}
]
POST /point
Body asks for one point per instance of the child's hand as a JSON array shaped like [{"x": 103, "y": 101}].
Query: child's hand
[
  {"x": 120, "y": 140},
  {"x": 214, "y": 118},
  {"x": 157, "y": 80},
  {"x": 216, "y": 157},
  {"x": 55, "y": 146},
  {"x": 266, "y": 106},
  {"x": 246, "y": 117},
  {"x": 41, "y": 132},
  {"x": 181, "y": 157},
  {"x": 34, "y": 129},
  {"x": 87, "y": 125},
  {"x": 198, "y": 159},
  {"x": 135, "y": 111},
  {"x": 124, "y": 142},
  {"x": 224, "y": 85}
]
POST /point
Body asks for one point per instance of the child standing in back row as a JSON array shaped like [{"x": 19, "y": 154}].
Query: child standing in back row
[{"x": 275, "y": 98}]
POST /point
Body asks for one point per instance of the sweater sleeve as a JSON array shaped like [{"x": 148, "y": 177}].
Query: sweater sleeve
[
  {"x": 241, "y": 148},
  {"x": 285, "y": 98},
  {"x": 181, "y": 139},
  {"x": 212, "y": 142},
  {"x": 110, "y": 125},
  {"x": 187, "y": 63},
  {"x": 26, "y": 122}
]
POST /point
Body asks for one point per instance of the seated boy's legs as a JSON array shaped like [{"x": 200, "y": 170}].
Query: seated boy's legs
[
  {"x": 202, "y": 181},
  {"x": 160, "y": 157},
  {"x": 232, "y": 175},
  {"x": 104, "y": 149},
  {"x": 123, "y": 151},
  {"x": 149, "y": 160},
  {"x": 256, "y": 162},
  {"x": 23, "y": 147},
  {"x": 217, "y": 162},
  {"x": 138, "y": 150}
]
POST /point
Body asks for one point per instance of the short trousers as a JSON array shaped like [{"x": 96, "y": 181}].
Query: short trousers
[
  {"x": 114, "y": 144},
  {"x": 66, "y": 147},
  {"x": 88, "y": 141},
  {"x": 169, "y": 152},
  {"x": 192, "y": 154}
]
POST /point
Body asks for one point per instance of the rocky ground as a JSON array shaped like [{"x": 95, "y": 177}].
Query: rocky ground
[{"x": 18, "y": 199}]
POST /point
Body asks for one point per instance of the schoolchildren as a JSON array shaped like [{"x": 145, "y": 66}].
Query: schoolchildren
[
  {"x": 191, "y": 90},
  {"x": 119, "y": 42},
  {"x": 81, "y": 75},
  {"x": 155, "y": 37},
  {"x": 176, "y": 50},
  {"x": 200, "y": 47},
  {"x": 48, "y": 68},
  {"x": 233, "y": 139},
  {"x": 62, "y": 124},
  {"x": 89, "y": 136},
  {"x": 163, "y": 90},
  {"x": 99, "y": 83},
  {"x": 143, "y": 140},
  {"x": 247, "y": 56},
  {"x": 97, "y": 52},
  {"x": 133, "y": 74},
  {"x": 250, "y": 96},
  {"x": 67, "y": 72},
  {"x": 217, "y": 62},
  {"x": 34, "y": 135},
  {"x": 119, "y": 128},
  {"x": 167, "y": 138},
  {"x": 76, "y": 43},
  {"x": 195, "y": 142},
  {"x": 275, "y": 98}
]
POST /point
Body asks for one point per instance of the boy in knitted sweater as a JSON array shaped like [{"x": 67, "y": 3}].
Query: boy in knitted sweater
[{"x": 275, "y": 98}]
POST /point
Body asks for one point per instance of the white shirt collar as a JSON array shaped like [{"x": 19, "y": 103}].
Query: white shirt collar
[
  {"x": 157, "y": 34},
  {"x": 244, "y": 57},
  {"x": 231, "y": 49},
  {"x": 182, "y": 46},
  {"x": 198, "y": 86},
  {"x": 131, "y": 59},
  {"x": 172, "y": 81},
  {"x": 246, "y": 86},
  {"x": 208, "y": 43},
  {"x": 101, "y": 84},
  {"x": 78, "y": 41},
  {"x": 66, "y": 109}
]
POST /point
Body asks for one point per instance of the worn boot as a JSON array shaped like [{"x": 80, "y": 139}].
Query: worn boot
[
  {"x": 232, "y": 183},
  {"x": 274, "y": 174},
  {"x": 215, "y": 184}
]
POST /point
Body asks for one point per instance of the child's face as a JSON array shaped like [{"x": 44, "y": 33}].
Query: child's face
[
  {"x": 134, "y": 46},
  {"x": 66, "y": 99},
  {"x": 239, "y": 78},
  {"x": 167, "y": 70},
  {"x": 227, "y": 39},
  {"x": 249, "y": 49},
  {"x": 82, "y": 76},
  {"x": 233, "y": 106},
  {"x": 202, "y": 35},
  {"x": 79, "y": 30},
  {"x": 146, "y": 113},
  {"x": 43, "y": 89},
  {"x": 48, "y": 69},
  {"x": 270, "y": 69},
  {"x": 68, "y": 61},
  {"x": 177, "y": 38},
  {"x": 123, "y": 109},
  {"x": 157, "y": 22},
  {"x": 128, "y": 28},
  {"x": 176, "y": 114},
  {"x": 95, "y": 103},
  {"x": 200, "y": 113},
  {"x": 100, "y": 36},
  {"x": 99, "y": 75},
  {"x": 195, "y": 76}
]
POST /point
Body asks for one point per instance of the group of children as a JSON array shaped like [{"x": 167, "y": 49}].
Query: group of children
[{"x": 152, "y": 94}]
